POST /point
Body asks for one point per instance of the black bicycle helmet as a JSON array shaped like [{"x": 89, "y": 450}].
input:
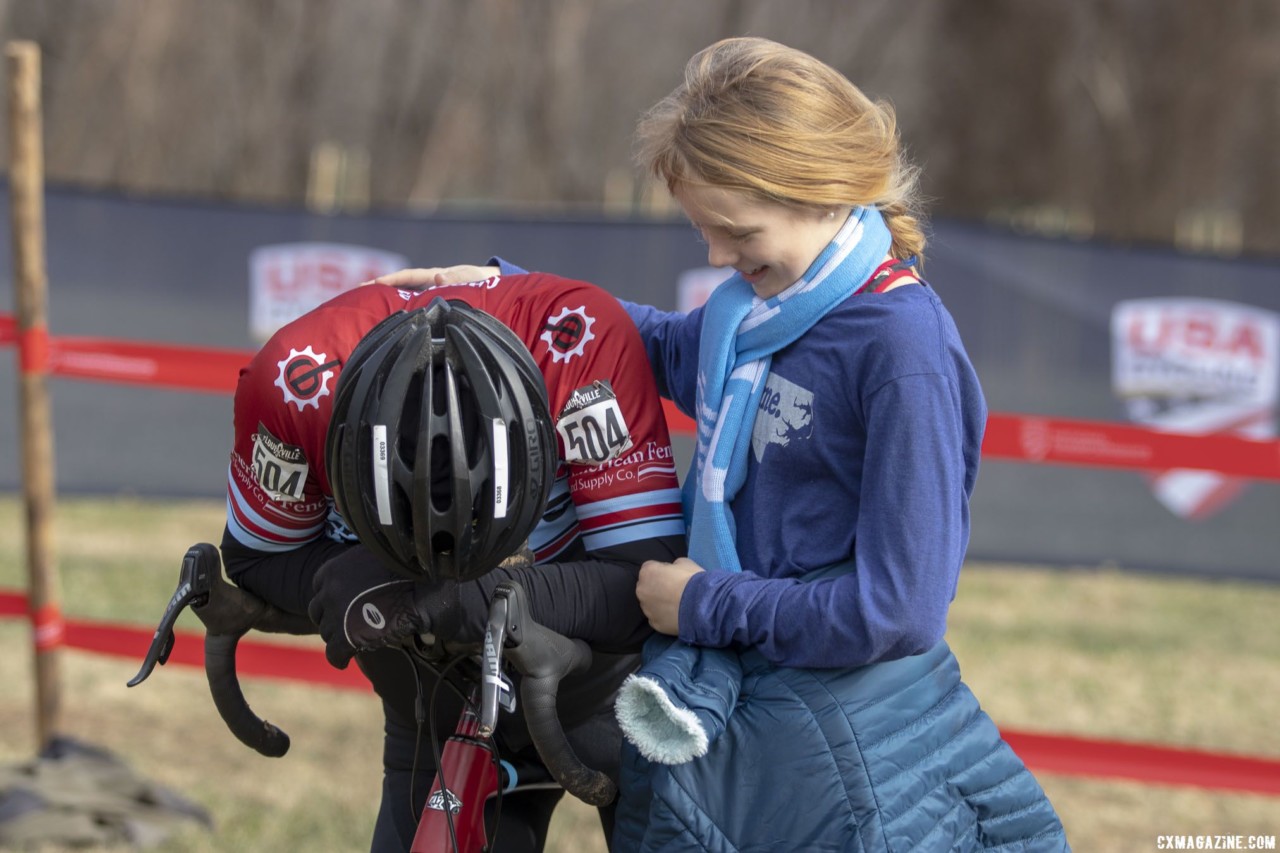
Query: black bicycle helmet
[{"x": 441, "y": 450}]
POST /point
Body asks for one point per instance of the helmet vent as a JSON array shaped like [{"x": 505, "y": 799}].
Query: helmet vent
[
  {"x": 442, "y": 543},
  {"x": 441, "y": 475}
]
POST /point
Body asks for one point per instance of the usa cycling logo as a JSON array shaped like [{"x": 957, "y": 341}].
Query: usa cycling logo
[
  {"x": 567, "y": 333},
  {"x": 304, "y": 377}
]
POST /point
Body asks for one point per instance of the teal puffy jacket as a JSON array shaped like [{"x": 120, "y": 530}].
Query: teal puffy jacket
[{"x": 894, "y": 756}]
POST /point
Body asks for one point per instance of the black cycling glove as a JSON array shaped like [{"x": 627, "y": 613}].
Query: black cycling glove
[{"x": 362, "y": 606}]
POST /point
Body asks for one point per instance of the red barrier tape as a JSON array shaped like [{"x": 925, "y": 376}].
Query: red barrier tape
[
  {"x": 33, "y": 350},
  {"x": 1021, "y": 438},
  {"x": 1160, "y": 765},
  {"x": 1058, "y": 754},
  {"x": 49, "y": 627},
  {"x": 187, "y": 368},
  {"x": 677, "y": 421},
  {"x": 1063, "y": 441},
  {"x": 253, "y": 658},
  {"x": 1010, "y": 437}
]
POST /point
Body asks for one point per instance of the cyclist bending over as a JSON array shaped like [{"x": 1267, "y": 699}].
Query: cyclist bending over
[{"x": 392, "y": 447}]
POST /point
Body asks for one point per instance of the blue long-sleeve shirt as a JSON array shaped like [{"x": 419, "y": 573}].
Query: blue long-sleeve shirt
[{"x": 865, "y": 445}]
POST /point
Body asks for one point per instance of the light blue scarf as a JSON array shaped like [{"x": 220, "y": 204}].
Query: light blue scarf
[{"x": 740, "y": 334}]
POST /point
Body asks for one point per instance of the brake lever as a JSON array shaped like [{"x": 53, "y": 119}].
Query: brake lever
[
  {"x": 491, "y": 662},
  {"x": 194, "y": 584}
]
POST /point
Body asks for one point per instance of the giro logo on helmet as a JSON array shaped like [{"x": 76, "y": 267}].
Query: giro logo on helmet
[
  {"x": 567, "y": 333},
  {"x": 373, "y": 616},
  {"x": 304, "y": 377}
]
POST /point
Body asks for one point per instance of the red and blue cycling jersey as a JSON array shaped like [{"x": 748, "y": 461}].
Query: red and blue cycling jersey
[{"x": 616, "y": 482}]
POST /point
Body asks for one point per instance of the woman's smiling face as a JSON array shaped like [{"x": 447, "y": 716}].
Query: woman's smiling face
[{"x": 769, "y": 244}]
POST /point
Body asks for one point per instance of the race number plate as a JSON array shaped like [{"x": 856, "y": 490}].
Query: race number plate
[
  {"x": 280, "y": 469},
  {"x": 591, "y": 426}
]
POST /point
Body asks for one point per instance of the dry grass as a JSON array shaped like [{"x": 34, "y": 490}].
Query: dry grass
[
  {"x": 119, "y": 560},
  {"x": 1102, "y": 654},
  {"x": 1106, "y": 654}
]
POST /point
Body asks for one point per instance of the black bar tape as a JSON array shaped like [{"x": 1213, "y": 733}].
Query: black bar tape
[
  {"x": 543, "y": 659},
  {"x": 220, "y": 669}
]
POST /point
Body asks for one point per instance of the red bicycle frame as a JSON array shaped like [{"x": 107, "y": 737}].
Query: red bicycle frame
[{"x": 453, "y": 818}]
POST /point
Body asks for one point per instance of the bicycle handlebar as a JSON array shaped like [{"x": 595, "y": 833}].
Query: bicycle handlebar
[
  {"x": 228, "y": 613},
  {"x": 542, "y": 656},
  {"x": 224, "y": 686}
]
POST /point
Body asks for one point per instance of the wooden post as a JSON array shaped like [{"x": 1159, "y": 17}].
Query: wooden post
[{"x": 26, "y": 189}]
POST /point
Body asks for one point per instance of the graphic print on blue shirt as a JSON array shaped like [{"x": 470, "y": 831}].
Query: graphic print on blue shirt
[{"x": 785, "y": 415}]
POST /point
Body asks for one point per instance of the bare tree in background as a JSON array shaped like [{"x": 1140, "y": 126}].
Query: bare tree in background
[
  {"x": 1136, "y": 116},
  {"x": 1136, "y": 120}
]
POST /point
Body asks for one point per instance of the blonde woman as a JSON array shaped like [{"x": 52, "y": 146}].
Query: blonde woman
[{"x": 799, "y": 694}]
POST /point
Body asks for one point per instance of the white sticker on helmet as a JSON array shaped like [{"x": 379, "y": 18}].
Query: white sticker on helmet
[
  {"x": 501, "y": 468},
  {"x": 381, "y": 475}
]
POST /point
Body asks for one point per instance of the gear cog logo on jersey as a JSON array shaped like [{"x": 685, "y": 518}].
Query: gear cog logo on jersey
[
  {"x": 567, "y": 333},
  {"x": 304, "y": 377}
]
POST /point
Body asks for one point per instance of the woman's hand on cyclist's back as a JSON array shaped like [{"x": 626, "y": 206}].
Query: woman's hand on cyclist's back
[{"x": 418, "y": 278}]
